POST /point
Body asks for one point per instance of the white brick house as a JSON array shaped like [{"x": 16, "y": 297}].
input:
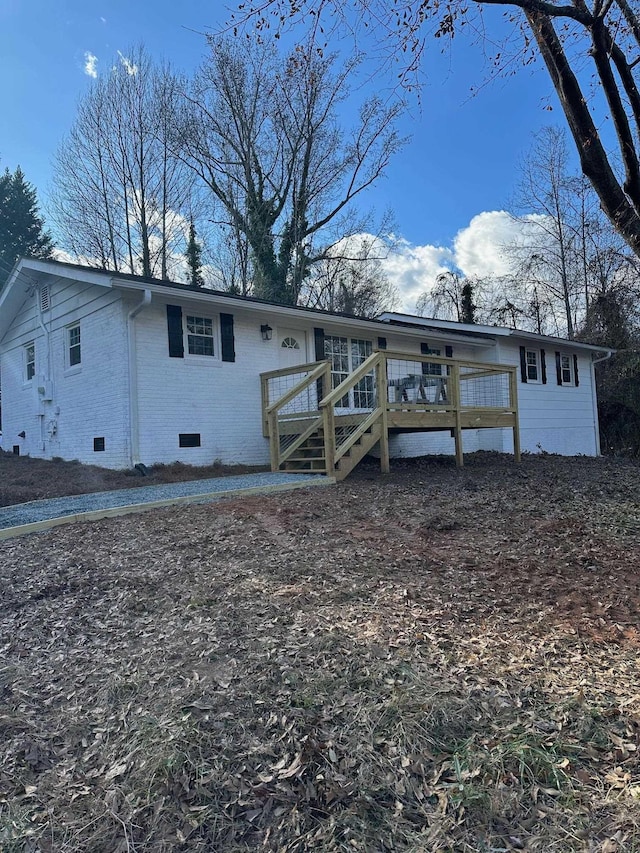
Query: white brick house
[{"x": 114, "y": 369}]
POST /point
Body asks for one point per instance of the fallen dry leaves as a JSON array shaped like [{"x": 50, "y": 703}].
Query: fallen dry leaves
[{"x": 437, "y": 660}]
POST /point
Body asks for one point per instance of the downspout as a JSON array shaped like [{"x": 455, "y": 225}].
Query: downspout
[
  {"x": 134, "y": 438},
  {"x": 47, "y": 375},
  {"x": 594, "y": 397}
]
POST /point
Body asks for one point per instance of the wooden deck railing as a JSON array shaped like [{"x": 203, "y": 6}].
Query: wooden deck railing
[
  {"x": 296, "y": 404},
  {"x": 390, "y": 390},
  {"x": 341, "y": 437}
]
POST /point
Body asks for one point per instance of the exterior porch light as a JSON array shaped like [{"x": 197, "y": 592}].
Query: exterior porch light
[{"x": 266, "y": 331}]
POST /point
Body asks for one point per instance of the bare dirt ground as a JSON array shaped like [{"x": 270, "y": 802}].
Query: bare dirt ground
[
  {"x": 25, "y": 479},
  {"x": 436, "y": 660}
]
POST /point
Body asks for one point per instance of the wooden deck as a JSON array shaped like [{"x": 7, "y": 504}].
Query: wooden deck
[{"x": 313, "y": 426}]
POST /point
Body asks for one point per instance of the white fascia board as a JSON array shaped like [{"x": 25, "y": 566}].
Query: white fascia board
[
  {"x": 59, "y": 270},
  {"x": 267, "y": 310},
  {"x": 30, "y": 273},
  {"x": 562, "y": 343},
  {"x": 495, "y": 331},
  {"x": 13, "y": 294},
  {"x": 393, "y": 317}
]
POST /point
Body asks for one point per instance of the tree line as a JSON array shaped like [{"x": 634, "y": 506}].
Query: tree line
[{"x": 246, "y": 165}]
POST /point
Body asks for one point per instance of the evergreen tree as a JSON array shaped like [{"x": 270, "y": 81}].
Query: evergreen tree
[
  {"x": 21, "y": 226},
  {"x": 194, "y": 259},
  {"x": 468, "y": 309}
]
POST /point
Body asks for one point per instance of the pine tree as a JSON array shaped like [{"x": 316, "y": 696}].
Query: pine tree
[
  {"x": 468, "y": 309},
  {"x": 21, "y": 226},
  {"x": 194, "y": 259}
]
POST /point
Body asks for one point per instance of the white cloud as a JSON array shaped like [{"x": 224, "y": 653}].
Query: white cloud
[
  {"x": 414, "y": 269},
  {"x": 478, "y": 249},
  {"x": 90, "y": 63},
  {"x": 130, "y": 67}
]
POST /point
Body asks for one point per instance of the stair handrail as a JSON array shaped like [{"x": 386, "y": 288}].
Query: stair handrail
[
  {"x": 333, "y": 452},
  {"x": 354, "y": 377},
  {"x": 319, "y": 368}
]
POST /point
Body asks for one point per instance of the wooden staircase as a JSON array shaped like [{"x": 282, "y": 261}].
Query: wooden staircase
[
  {"x": 315, "y": 428},
  {"x": 310, "y": 457}
]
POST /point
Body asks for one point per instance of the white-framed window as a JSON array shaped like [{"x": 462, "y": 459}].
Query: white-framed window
[
  {"x": 346, "y": 354},
  {"x": 29, "y": 361},
  {"x": 200, "y": 335},
  {"x": 431, "y": 368},
  {"x": 566, "y": 369},
  {"x": 74, "y": 349},
  {"x": 290, "y": 343},
  {"x": 532, "y": 363}
]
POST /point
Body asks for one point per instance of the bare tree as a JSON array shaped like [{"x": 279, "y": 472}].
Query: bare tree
[
  {"x": 443, "y": 301},
  {"x": 548, "y": 250},
  {"x": 351, "y": 279},
  {"x": 456, "y": 297},
  {"x": 579, "y": 42},
  {"x": 119, "y": 191},
  {"x": 262, "y": 133},
  {"x": 567, "y": 251}
]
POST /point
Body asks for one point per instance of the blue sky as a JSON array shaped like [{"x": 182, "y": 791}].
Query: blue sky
[{"x": 462, "y": 159}]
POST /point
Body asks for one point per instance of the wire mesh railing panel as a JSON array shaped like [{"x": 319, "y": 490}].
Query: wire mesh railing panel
[
  {"x": 423, "y": 382},
  {"x": 286, "y": 440},
  {"x": 305, "y": 401},
  {"x": 344, "y": 433},
  {"x": 484, "y": 390}
]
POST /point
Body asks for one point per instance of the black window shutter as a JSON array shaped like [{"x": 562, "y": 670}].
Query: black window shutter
[
  {"x": 382, "y": 343},
  {"x": 318, "y": 337},
  {"x": 523, "y": 364},
  {"x": 448, "y": 351},
  {"x": 226, "y": 337},
  {"x": 558, "y": 369},
  {"x": 424, "y": 349},
  {"x": 174, "y": 329},
  {"x": 575, "y": 370},
  {"x": 543, "y": 367}
]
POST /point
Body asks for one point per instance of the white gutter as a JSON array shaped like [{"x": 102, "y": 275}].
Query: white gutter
[
  {"x": 296, "y": 313},
  {"x": 594, "y": 398},
  {"x": 134, "y": 438}
]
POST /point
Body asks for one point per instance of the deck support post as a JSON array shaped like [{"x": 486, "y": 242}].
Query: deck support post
[
  {"x": 264, "y": 393},
  {"x": 381, "y": 382},
  {"x": 329, "y": 426},
  {"x": 454, "y": 380},
  {"x": 274, "y": 441},
  {"x": 513, "y": 403}
]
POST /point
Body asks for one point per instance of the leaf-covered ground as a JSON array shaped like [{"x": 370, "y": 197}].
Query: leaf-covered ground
[
  {"x": 23, "y": 478},
  {"x": 436, "y": 660}
]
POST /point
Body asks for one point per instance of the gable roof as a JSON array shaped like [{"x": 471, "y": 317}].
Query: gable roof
[{"x": 30, "y": 273}]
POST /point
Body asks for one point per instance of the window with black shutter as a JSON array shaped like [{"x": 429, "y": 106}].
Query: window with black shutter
[
  {"x": 566, "y": 369},
  {"x": 430, "y": 368},
  {"x": 227, "y": 341},
  {"x": 174, "y": 329}
]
